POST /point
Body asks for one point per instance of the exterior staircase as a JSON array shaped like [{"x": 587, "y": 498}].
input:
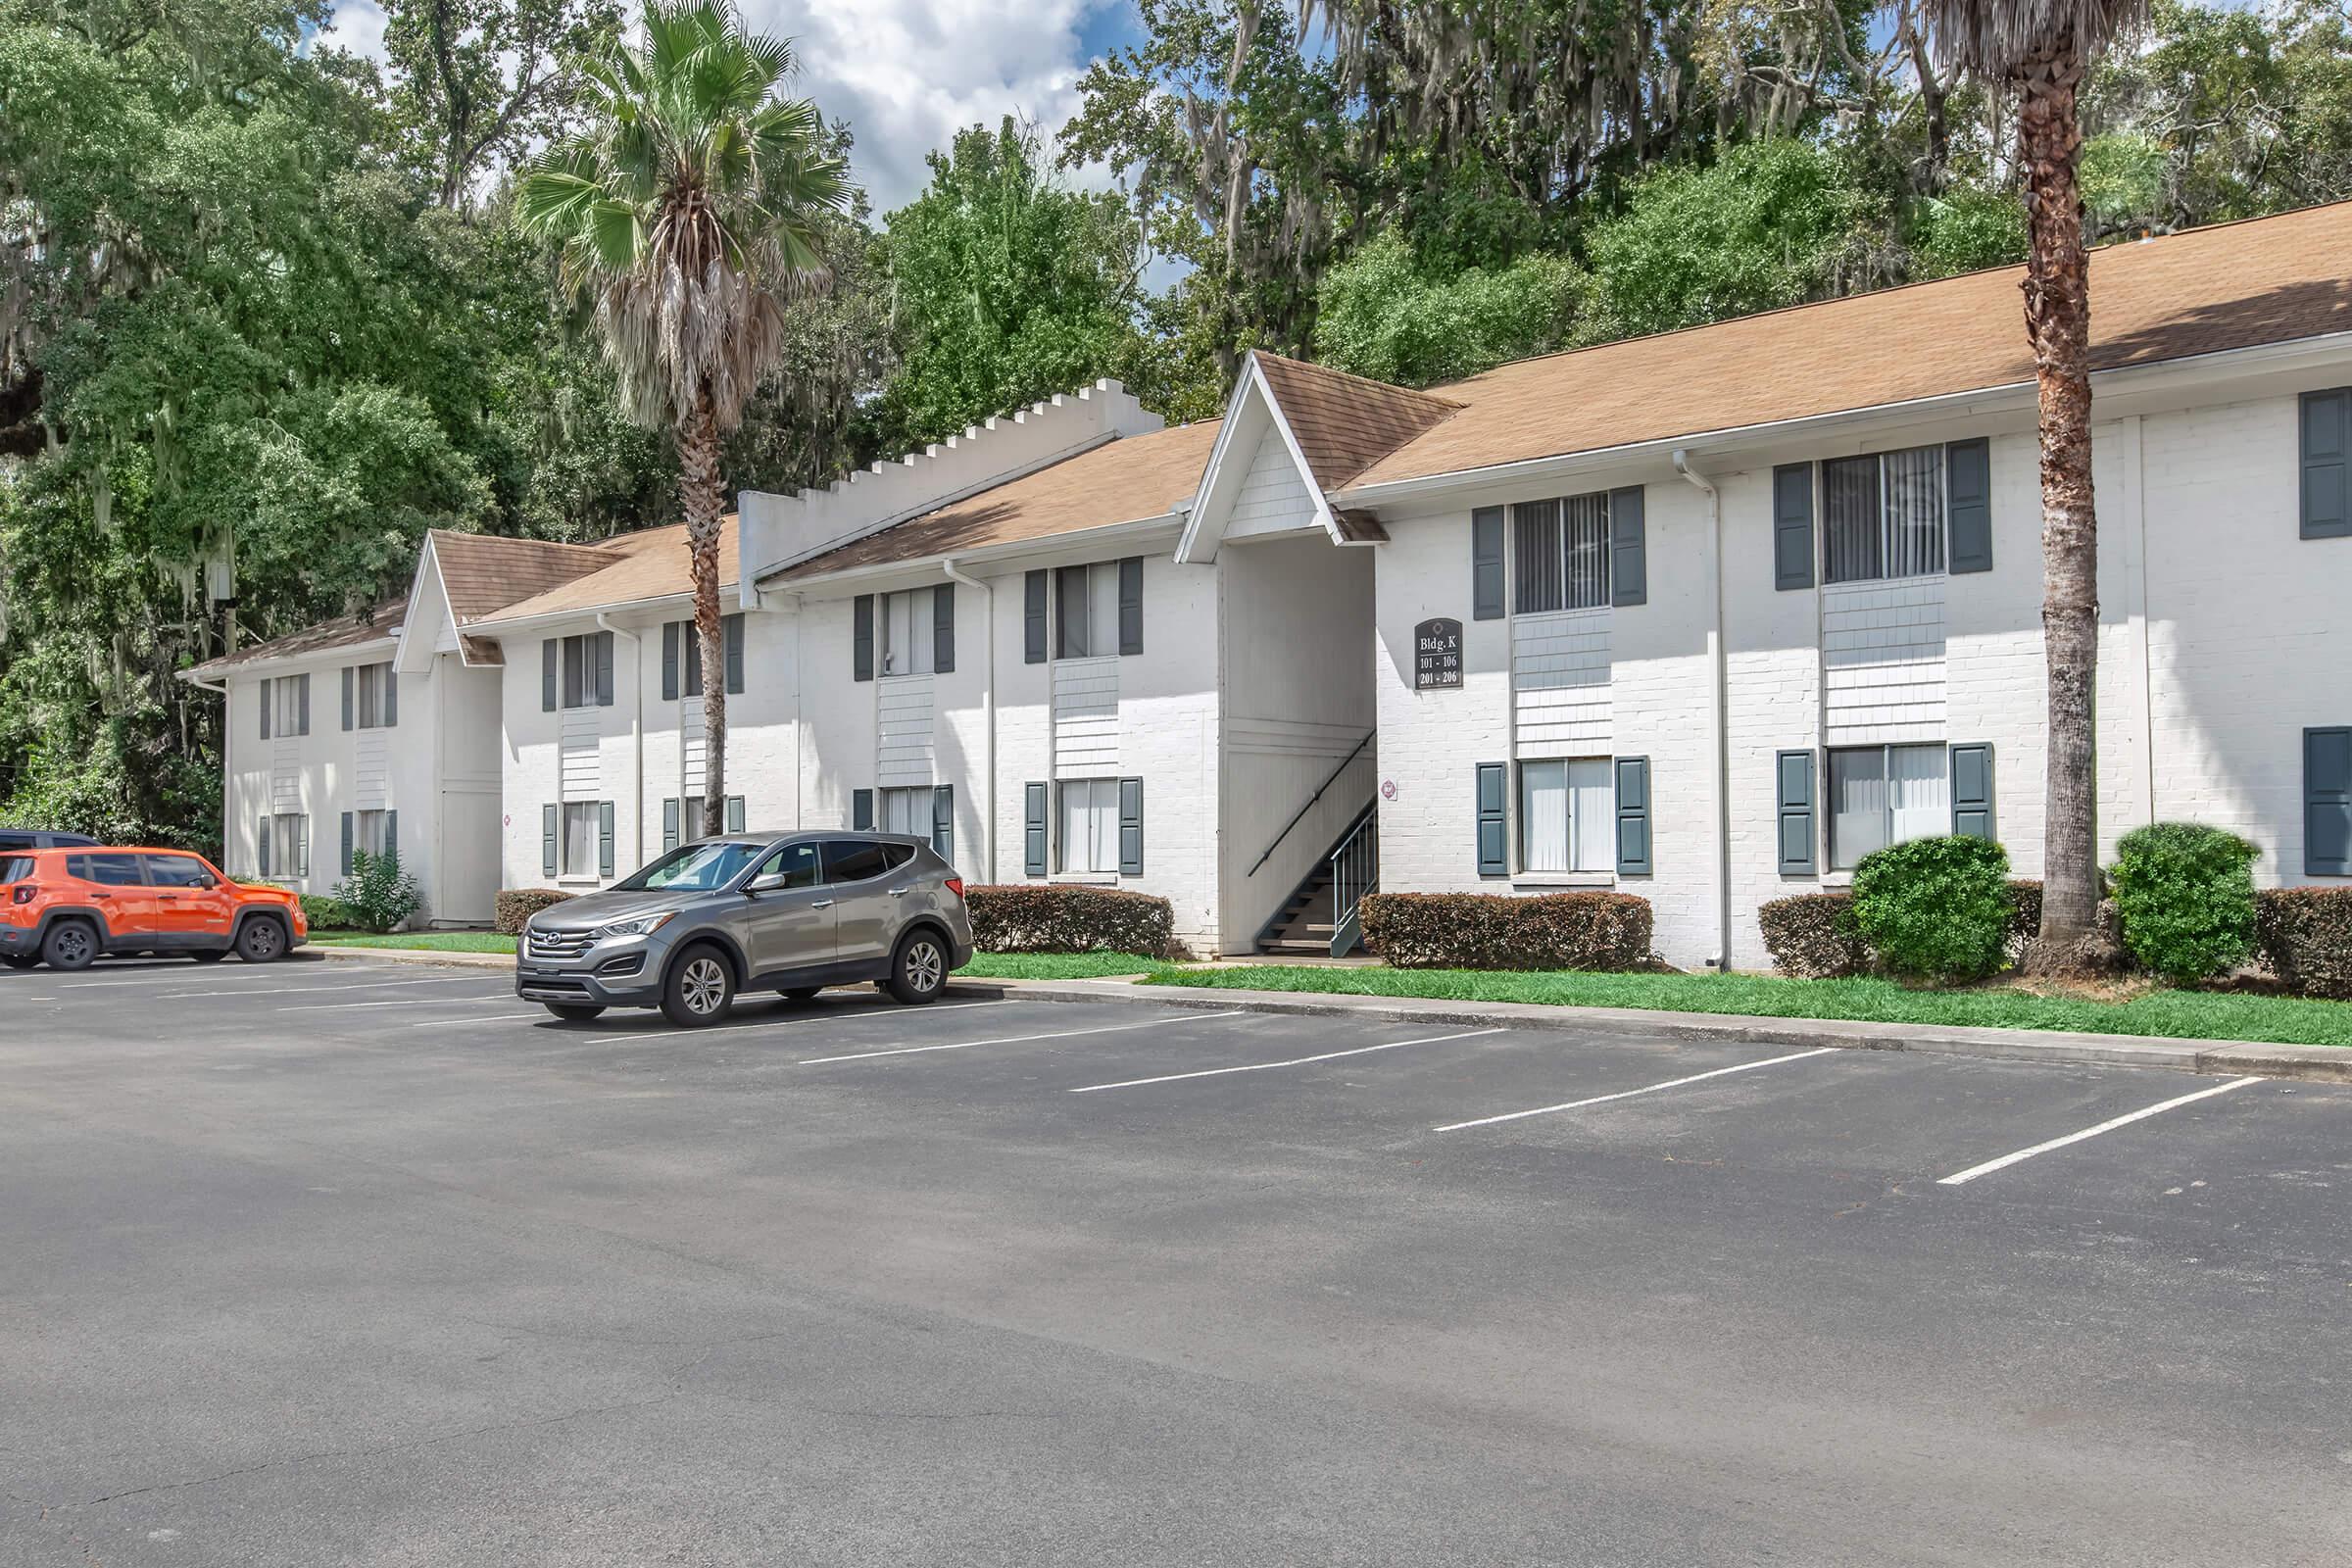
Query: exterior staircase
[
  {"x": 1320, "y": 919},
  {"x": 1304, "y": 925}
]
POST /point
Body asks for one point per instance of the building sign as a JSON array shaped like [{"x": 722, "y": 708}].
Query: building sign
[{"x": 1437, "y": 654}]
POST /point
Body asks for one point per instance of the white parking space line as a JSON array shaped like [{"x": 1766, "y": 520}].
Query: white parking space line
[
  {"x": 770, "y": 1022},
  {"x": 1957, "y": 1178},
  {"x": 164, "y": 977},
  {"x": 329, "y": 986},
  {"x": 1010, "y": 1040},
  {"x": 1629, "y": 1094},
  {"x": 397, "y": 1002},
  {"x": 1294, "y": 1061},
  {"x": 503, "y": 1017}
]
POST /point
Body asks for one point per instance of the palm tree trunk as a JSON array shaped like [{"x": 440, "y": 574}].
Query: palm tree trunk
[
  {"x": 703, "y": 498},
  {"x": 2049, "y": 140}
]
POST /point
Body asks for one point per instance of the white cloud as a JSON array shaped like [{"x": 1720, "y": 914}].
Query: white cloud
[{"x": 357, "y": 26}]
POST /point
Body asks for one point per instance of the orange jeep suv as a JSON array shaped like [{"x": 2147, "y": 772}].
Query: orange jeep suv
[{"x": 67, "y": 907}]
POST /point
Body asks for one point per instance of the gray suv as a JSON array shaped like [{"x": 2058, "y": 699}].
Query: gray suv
[{"x": 792, "y": 913}]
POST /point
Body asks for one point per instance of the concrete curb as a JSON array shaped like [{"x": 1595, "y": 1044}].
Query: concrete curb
[
  {"x": 2310, "y": 1063},
  {"x": 453, "y": 960}
]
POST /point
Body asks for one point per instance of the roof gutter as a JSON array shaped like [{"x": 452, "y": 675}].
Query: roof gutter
[
  {"x": 2008, "y": 398},
  {"x": 1009, "y": 550}
]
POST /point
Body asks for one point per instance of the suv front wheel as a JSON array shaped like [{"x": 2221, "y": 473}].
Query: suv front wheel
[
  {"x": 262, "y": 940},
  {"x": 700, "y": 988},
  {"x": 919, "y": 971}
]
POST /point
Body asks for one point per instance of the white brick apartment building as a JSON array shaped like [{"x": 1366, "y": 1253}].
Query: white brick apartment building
[{"x": 1703, "y": 617}]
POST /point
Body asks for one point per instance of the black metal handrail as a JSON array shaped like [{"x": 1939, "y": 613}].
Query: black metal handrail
[{"x": 1311, "y": 800}]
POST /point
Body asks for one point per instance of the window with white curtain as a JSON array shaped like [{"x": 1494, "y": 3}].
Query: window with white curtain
[
  {"x": 1567, "y": 815},
  {"x": 1560, "y": 553},
  {"x": 378, "y": 703},
  {"x": 579, "y": 839},
  {"x": 1882, "y": 795},
  {"x": 1090, "y": 824},
  {"x": 1087, "y": 610},
  {"x": 369, "y": 837},
  {"x": 1883, "y": 516},
  {"x": 291, "y": 846},
  {"x": 908, "y": 643},
  {"x": 907, "y": 811},
  {"x": 287, "y": 699}
]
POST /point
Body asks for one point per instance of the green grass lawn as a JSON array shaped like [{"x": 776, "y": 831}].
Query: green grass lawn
[
  {"x": 1055, "y": 965},
  {"x": 2169, "y": 1014},
  {"x": 422, "y": 941}
]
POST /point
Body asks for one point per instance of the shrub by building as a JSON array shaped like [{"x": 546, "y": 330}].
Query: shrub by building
[
  {"x": 517, "y": 904},
  {"x": 1048, "y": 918},
  {"x": 2185, "y": 894},
  {"x": 1494, "y": 931},
  {"x": 1935, "y": 908},
  {"x": 1812, "y": 936},
  {"x": 2305, "y": 935}
]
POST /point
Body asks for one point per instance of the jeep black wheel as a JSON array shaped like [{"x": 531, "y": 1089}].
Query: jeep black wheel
[
  {"x": 919, "y": 971},
  {"x": 700, "y": 990},
  {"x": 70, "y": 944},
  {"x": 262, "y": 941}
]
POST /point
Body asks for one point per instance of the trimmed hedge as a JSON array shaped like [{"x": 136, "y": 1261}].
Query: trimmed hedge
[
  {"x": 1812, "y": 936},
  {"x": 322, "y": 913},
  {"x": 1935, "y": 908},
  {"x": 514, "y": 905},
  {"x": 1496, "y": 931},
  {"x": 2305, "y": 935},
  {"x": 1027, "y": 917},
  {"x": 2184, "y": 892}
]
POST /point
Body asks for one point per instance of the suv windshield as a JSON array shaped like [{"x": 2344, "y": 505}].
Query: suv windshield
[{"x": 694, "y": 868}]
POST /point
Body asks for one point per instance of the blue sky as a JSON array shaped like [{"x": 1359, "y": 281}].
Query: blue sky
[{"x": 908, "y": 74}]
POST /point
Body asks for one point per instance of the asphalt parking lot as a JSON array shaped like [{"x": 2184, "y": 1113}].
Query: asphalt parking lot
[{"x": 347, "y": 1262}]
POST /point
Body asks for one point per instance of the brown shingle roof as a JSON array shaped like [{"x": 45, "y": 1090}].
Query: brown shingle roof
[
  {"x": 649, "y": 563},
  {"x": 483, "y": 573},
  {"x": 376, "y": 623},
  {"x": 1346, "y": 423},
  {"x": 2234, "y": 285},
  {"x": 1126, "y": 480}
]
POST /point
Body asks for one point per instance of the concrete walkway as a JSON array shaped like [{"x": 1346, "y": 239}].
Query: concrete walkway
[{"x": 2312, "y": 1064}]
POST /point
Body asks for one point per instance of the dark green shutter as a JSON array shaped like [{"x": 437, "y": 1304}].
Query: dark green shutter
[
  {"x": 302, "y": 691},
  {"x": 1792, "y": 782},
  {"x": 1793, "y": 526},
  {"x": 1633, "y": 817},
  {"x": 1131, "y": 605},
  {"x": 604, "y": 669},
  {"x": 347, "y": 843},
  {"x": 1494, "y": 843},
  {"x": 1131, "y": 827},
  {"x": 1033, "y": 829},
  {"x": 1972, "y": 790},
  {"x": 1033, "y": 619},
  {"x": 348, "y": 673},
  {"x": 669, "y": 661},
  {"x": 388, "y": 714},
  {"x": 266, "y": 685},
  {"x": 392, "y": 834},
  {"x": 861, "y": 810},
  {"x": 942, "y": 821},
  {"x": 731, "y": 650},
  {"x": 547, "y": 840},
  {"x": 1628, "y": 549},
  {"x": 603, "y": 838},
  {"x": 551, "y": 654},
  {"x": 261, "y": 840},
  {"x": 1486, "y": 564},
  {"x": 302, "y": 843},
  {"x": 734, "y": 809},
  {"x": 861, "y": 637},
  {"x": 1968, "y": 478},
  {"x": 943, "y": 628},
  {"x": 2328, "y": 801},
  {"x": 692, "y": 649},
  {"x": 2326, "y": 442},
  {"x": 669, "y": 824}
]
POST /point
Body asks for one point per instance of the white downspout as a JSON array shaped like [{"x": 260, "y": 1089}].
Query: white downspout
[
  {"x": 604, "y": 622},
  {"x": 1719, "y": 674},
  {"x": 988, "y": 708}
]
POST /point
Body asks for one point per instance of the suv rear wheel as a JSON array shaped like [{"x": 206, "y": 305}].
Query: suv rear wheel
[
  {"x": 919, "y": 971},
  {"x": 700, "y": 988},
  {"x": 262, "y": 940},
  {"x": 70, "y": 944}
]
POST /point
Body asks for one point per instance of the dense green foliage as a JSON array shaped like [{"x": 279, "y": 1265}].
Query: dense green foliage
[
  {"x": 1934, "y": 908},
  {"x": 378, "y": 895},
  {"x": 2185, "y": 894}
]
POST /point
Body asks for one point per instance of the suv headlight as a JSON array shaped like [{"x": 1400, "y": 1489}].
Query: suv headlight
[{"x": 643, "y": 925}]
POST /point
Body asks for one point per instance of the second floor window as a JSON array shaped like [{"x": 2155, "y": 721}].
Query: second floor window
[
  {"x": 909, "y": 633},
  {"x": 1560, "y": 553},
  {"x": 286, "y": 706},
  {"x": 1087, "y": 607},
  {"x": 1883, "y": 516},
  {"x": 586, "y": 659},
  {"x": 375, "y": 697}
]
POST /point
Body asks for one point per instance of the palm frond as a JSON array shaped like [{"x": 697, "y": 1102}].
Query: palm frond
[{"x": 1992, "y": 39}]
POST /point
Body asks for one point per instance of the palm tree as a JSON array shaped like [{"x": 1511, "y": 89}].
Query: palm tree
[
  {"x": 2041, "y": 49},
  {"x": 689, "y": 211}
]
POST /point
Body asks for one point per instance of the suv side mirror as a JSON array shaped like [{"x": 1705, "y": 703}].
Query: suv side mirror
[{"x": 764, "y": 884}]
